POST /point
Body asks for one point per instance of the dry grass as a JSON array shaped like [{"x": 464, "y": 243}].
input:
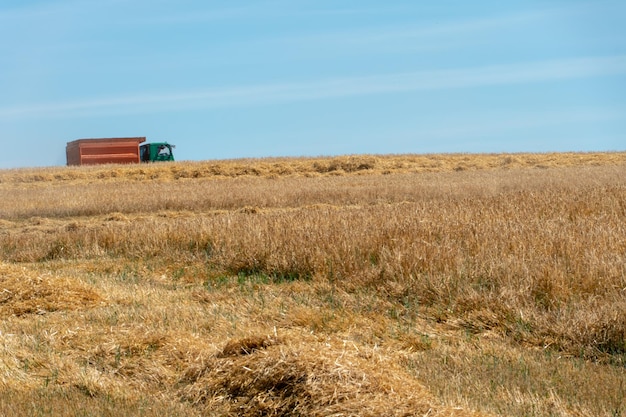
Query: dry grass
[
  {"x": 362, "y": 285},
  {"x": 23, "y": 293},
  {"x": 307, "y": 167}
]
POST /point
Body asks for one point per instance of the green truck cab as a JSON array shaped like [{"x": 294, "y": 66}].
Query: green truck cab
[{"x": 159, "y": 151}]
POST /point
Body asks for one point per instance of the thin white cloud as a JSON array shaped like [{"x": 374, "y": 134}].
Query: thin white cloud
[
  {"x": 191, "y": 17},
  {"x": 240, "y": 96},
  {"x": 449, "y": 32},
  {"x": 50, "y": 9},
  {"x": 504, "y": 122},
  {"x": 258, "y": 10},
  {"x": 370, "y": 35}
]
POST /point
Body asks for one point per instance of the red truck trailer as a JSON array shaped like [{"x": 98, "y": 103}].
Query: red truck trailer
[{"x": 104, "y": 151}]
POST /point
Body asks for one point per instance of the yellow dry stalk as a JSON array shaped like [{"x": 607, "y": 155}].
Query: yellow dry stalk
[
  {"x": 24, "y": 291},
  {"x": 306, "y": 166},
  {"x": 280, "y": 286}
]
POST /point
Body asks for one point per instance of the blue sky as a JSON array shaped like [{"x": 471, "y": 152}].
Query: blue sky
[{"x": 236, "y": 79}]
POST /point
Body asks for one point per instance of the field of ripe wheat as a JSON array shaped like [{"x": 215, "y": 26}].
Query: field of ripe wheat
[{"x": 439, "y": 285}]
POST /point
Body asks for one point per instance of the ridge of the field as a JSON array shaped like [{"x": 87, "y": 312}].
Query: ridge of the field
[
  {"x": 395, "y": 285},
  {"x": 311, "y": 166}
]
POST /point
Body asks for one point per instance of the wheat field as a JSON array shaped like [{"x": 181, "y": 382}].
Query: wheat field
[{"x": 399, "y": 285}]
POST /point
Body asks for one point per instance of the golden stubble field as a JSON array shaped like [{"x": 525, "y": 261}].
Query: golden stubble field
[{"x": 438, "y": 285}]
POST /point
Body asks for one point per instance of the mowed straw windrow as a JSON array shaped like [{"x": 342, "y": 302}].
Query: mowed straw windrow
[{"x": 360, "y": 285}]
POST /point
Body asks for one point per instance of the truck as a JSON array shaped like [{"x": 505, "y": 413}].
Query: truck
[
  {"x": 126, "y": 150},
  {"x": 155, "y": 152}
]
